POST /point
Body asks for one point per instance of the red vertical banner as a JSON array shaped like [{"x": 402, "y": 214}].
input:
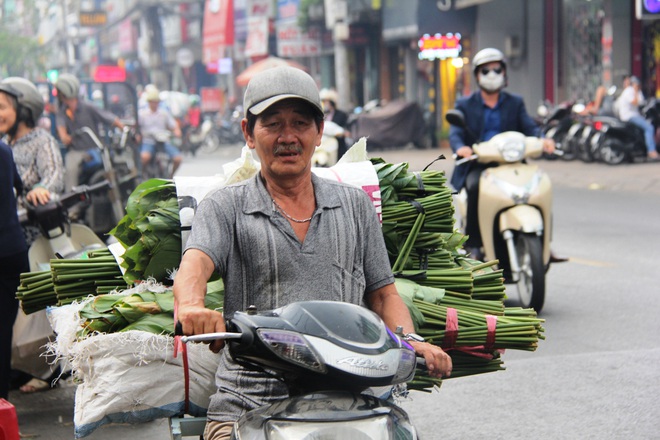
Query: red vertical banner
[{"x": 218, "y": 29}]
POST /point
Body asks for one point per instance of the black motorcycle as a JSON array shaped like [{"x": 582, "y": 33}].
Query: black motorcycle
[
  {"x": 555, "y": 123},
  {"x": 328, "y": 354},
  {"x": 615, "y": 141}
]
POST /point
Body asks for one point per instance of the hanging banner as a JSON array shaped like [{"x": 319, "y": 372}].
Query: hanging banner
[
  {"x": 218, "y": 30},
  {"x": 257, "y": 37}
]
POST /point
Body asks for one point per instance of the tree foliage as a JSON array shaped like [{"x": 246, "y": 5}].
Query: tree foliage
[{"x": 19, "y": 55}]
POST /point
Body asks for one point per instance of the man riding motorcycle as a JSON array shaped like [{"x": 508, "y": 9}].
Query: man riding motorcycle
[
  {"x": 487, "y": 112},
  {"x": 154, "y": 119},
  {"x": 74, "y": 114}
]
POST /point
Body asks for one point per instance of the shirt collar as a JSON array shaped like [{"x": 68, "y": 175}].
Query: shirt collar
[{"x": 259, "y": 200}]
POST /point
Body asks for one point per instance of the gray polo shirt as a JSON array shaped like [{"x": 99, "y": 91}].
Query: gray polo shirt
[{"x": 264, "y": 264}]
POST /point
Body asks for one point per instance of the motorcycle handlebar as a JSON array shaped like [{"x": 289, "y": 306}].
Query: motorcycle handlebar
[
  {"x": 82, "y": 193},
  {"x": 178, "y": 331}
]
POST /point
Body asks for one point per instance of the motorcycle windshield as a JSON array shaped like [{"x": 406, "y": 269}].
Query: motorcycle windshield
[{"x": 339, "y": 322}]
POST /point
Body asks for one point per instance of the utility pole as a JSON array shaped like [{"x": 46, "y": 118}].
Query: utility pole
[
  {"x": 65, "y": 30},
  {"x": 336, "y": 19}
]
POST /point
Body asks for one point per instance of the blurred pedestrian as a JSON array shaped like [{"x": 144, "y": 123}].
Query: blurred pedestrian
[
  {"x": 628, "y": 106},
  {"x": 329, "y": 100}
]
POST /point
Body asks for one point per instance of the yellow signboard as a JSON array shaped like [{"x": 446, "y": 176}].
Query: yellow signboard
[{"x": 93, "y": 18}]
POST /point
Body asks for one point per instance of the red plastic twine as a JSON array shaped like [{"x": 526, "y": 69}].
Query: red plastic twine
[
  {"x": 491, "y": 323},
  {"x": 451, "y": 328},
  {"x": 180, "y": 346}
]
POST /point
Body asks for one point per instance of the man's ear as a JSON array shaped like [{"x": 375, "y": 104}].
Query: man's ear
[{"x": 249, "y": 140}]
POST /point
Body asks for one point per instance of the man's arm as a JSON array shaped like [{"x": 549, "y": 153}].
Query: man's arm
[
  {"x": 189, "y": 291},
  {"x": 387, "y": 304}
]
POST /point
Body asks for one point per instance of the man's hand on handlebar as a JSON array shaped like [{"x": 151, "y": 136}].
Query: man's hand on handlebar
[
  {"x": 548, "y": 145},
  {"x": 196, "y": 319},
  {"x": 464, "y": 151}
]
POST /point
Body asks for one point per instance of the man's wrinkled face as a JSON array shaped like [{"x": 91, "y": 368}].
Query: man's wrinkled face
[{"x": 285, "y": 136}]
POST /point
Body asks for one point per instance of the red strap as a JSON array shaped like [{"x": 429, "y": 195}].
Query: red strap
[
  {"x": 181, "y": 347},
  {"x": 451, "y": 328},
  {"x": 491, "y": 323},
  {"x": 186, "y": 379}
]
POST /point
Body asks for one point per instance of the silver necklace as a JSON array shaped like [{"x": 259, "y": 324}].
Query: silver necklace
[{"x": 279, "y": 208}]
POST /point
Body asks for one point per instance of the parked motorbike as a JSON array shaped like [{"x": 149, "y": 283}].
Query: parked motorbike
[
  {"x": 328, "y": 354},
  {"x": 615, "y": 141},
  {"x": 555, "y": 122},
  {"x": 117, "y": 166},
  {"x": 160, "y": 166},
  {"x": 515, "y": 212}
]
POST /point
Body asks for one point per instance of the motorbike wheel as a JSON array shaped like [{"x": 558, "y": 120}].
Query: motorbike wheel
[
  {"x": 611, "y": 153},
  {"x": 210, "y": 143},
  {"x": 531, "y": 284}
]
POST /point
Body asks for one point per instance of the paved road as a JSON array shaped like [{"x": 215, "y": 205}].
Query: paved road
[{"x": 49, "y": 415}]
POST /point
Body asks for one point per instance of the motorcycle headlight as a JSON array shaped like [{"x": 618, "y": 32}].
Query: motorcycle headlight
[
  {"x": 292, "y": 347},
  {"x": 375, "y": 428},
  {"x": 512, "y": 150}
]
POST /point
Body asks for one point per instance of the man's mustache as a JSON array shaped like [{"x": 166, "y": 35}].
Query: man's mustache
[{"x": 280, "y": 149}]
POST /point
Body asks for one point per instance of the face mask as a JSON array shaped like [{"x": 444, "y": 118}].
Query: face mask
[{"x": 491, "y": 82}]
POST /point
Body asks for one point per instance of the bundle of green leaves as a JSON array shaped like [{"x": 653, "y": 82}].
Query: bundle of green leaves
[
  {"x": 151, "y": 232},
  {"x": 151, "y": 310},
  {"x": 434, "y": 276}
]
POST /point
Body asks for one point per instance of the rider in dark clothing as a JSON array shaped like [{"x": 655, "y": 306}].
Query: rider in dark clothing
[{"x": 487, "y": 112}]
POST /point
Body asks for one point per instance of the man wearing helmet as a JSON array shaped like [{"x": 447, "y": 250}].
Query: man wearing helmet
[
  {"x": 489, "y": 111},
  {"x": 74, "y": 114},
  {"x": 153, "y": 120}
]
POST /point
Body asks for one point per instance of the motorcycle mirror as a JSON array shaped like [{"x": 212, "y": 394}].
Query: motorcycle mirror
[
  {"x": 579, "y": 108},
  {"x": 455, "y": 117},
  {"x": 542, "y": 110}
]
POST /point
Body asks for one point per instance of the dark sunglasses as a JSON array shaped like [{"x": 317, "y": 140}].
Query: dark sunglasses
[{"x": 486, "y": 70}]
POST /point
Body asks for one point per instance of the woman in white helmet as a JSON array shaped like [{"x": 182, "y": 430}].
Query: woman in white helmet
[
  {"x": 39, "y": 165},
  {"x": 488, "y": 111},
  {"x": 36, "y": 152}
]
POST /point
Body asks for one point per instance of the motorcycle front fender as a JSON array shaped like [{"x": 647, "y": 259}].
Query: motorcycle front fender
[
  {"x": 43, "y": 249},
  {"x": 523, "y": 218},
  {"x": 529, "y": 220}
]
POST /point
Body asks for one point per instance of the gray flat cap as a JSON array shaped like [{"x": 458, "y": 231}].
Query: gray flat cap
[{"x": 278, "y": 83}]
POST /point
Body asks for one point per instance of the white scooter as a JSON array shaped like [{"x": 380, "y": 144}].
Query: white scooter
[
  {"x": 59, "y": 239},
  {"x": 326, "y": 154},
  {"x": 515, "y": 210}
]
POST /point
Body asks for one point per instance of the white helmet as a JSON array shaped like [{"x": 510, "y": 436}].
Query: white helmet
[
  {"x": 488, "y": 55},
  {"x": 329, "y": 95},
  {"x": 151, "y": 93}
]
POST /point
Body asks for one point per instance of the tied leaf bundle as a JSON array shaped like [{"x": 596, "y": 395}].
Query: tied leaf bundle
[
  {"x": 456, "y": 302},
  {"x": 151, "y": 232},
  {"x": 69, "y": 280},
  {"x": 150, "y": 310}
]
